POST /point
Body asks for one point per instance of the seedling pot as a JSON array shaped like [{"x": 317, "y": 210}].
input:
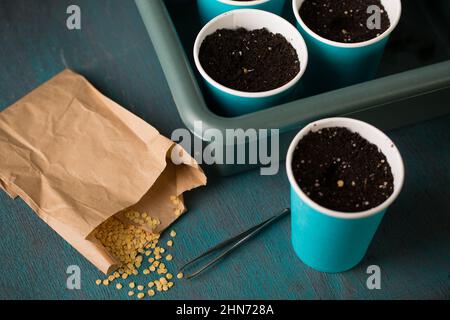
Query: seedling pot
[
  {"x": 232, "y": 102},
  {"x": 334, "y": 64},
  {"x": 333, "y": 241}
]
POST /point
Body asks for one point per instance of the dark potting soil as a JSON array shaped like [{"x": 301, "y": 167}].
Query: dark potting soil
[
  {"x": 340, "y": 170},
  {"x": 251, "y": 61},
  {"x": 343, "y": 21}
]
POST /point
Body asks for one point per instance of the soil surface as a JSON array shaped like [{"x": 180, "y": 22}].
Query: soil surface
[
  {"x": 340, "y": 170},
  {"x": 251, "y": 61},
  {"x": 343, "y": 21}
]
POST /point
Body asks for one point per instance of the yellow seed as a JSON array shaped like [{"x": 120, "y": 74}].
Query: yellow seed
[
  {"x": 124, "y": 276},
  {"x": 169, "y": 243},
  {"x": 151, "y": 293},
  {"x": 165, "y": 287},
  {"x": 151, "y": 260},
  {"x": 130, "y": 293},
  {"x": 140, "y": 287},
  {"x": 340, "y": 183},
  {"x": 150, "y": 284},
  {"x": 173, "y": 233},
  {"x": 148, "y": 252},
  {"x": 170, "y": 284},
  {"x": 131, "y": 285},
  {"x": 98, "y": 281},
  {"x": 156, "y": 263},
  {"x": 169, "y": 276},
  {"x": 152, "y": 268},
  {"x": 146, "y": 271},
  {"x": 119, "y": 286},
  {"x": 124, "y": 240},
  {"x": 163, "y": 281},
  {"x": 180, "y": 275},
  {"x": 105, "y": 282},
  {"x": 140, "y": 295},
  {"x": 135, "y": 272},
  {"x": 169, "y": 257}
]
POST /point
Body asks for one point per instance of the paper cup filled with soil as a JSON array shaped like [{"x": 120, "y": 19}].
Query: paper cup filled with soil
[
  {"x": 346, "y": 39},
  {"x": 250, "y": 60},
  {"x": 344, "y": 174},
  {"x": 212, "y": 8}
]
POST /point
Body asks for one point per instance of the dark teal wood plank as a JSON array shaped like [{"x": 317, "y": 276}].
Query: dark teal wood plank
[{"x": 113, "y": 51}]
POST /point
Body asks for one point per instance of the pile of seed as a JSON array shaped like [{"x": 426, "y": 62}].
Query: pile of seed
[{"x": 135, "y": 247}]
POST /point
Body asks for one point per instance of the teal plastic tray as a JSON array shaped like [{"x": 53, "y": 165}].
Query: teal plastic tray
[{"x": 413, "y": 83}]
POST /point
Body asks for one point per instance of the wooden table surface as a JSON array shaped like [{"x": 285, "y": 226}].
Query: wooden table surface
[{"x": 113, "y": 51}]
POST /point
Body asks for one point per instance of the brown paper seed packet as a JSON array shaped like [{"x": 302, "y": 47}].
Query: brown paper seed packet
[{"x": 78, "y": 158}]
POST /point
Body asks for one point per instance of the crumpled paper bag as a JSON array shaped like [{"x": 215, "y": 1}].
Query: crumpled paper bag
[{"x": 77, "y": 158}]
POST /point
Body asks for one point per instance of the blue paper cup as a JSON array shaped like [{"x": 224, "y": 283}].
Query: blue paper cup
[
  {"x": 232, "y": 102},
  {"x": 333, "y": 241},
  {"x": 335, "y": 65},
  {"x": 212, "y": 8}
]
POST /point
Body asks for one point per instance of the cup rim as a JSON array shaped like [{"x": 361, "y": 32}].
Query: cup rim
[
  {"x": 335, "y": 213},
  {"x": 246, "y": 94},
  {"x": 243, "y": 3},
  {"x": 296, "y": 8}
]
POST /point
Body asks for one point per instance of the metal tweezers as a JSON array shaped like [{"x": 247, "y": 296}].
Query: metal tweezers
[{"x": 234, "y": 243}]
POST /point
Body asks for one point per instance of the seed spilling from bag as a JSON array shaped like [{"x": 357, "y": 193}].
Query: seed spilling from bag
[
  {"x": 128, "y": 243},
  {"x": 123, "y": 241}
]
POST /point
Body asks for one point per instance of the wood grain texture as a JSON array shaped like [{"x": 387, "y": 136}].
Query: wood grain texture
[{"x": 113, "y": 51}]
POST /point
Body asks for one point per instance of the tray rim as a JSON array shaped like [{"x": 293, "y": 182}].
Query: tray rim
[{"x": 191, "y": 104}]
